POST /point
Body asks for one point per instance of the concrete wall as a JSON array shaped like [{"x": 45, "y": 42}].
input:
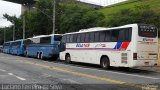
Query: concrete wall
[
  {"x": 26, "y": 8},
  {"x": 102, "y": 2}
]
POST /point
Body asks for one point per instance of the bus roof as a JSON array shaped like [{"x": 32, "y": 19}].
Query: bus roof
[
  {"x": 20, "y": 40},
  {"x": 8, "y": 42},
  {"x": 44, "y": 36},
  {"x": 101, "y": 29}
]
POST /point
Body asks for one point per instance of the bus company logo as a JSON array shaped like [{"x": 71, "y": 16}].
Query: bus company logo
[
  {"x": 82, "y": 45},
  {"x": 148, "y": 39},
  {"x": 100, "y": 45}
]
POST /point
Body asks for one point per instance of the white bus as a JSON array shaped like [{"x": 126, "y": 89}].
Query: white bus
[{"x": 133, "y": 45}]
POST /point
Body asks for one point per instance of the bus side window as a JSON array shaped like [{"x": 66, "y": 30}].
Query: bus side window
[
  {"x": 74, "y": 38},
  {"x": 127, "y": 35},
  {"x": 78, "y": 38},
  {"x": 122, "y": 35},
  {"x": 45, "y": 40},
  {"x": 63, "y": 43},
  {"x": 68, "y": 39},
  {"x": 91, "y": 37},
  {"x": 64, "y": 39},
  {"x": 86, "y": 38},
  {"x": 102, "y": 36},
  {"x": 115, "y": 34},
  {"x": 82, "y": 37},
  {"x": 97, "y": 37},
  {"x": 107, "y": 36},
  {"x": 71, "y": 38}
]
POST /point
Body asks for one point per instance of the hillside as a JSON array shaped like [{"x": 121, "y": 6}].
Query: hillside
[{"x": 154, "y": 5}]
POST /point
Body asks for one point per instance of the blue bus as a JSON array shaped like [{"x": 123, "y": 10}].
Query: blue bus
[
  {"x": 7, "y": 47},
  {"x": 17, "y": 47},
  {"x": 43, "y": 46}
]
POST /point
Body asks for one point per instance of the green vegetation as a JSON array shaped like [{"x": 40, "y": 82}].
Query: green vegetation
[
  {"x": 132, "y": 11},
  {"x": 72, "y": 16},
  {"x": 76, "y": 17},
  {"x": 130, "y": 4}
]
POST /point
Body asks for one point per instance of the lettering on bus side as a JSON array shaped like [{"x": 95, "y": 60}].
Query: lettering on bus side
[
  {"x": 82, "y": 45},
  {"x": 147, "y": 39}
]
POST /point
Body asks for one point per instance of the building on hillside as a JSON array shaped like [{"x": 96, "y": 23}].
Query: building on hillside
[
  {"x": 26, "y": 4},
  {"x": 102, "y": 3}
]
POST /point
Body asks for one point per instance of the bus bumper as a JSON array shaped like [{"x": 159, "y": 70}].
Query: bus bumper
[{"x": 144, "y": 63}]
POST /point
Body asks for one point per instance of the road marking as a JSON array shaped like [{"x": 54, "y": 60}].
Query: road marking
[
  {"x": 2, "y": 70},
  {"x": 140, "y": 76},
  {"x": 17, "y": 76},
  {"x": 71, "y": 81},
  {"x": 85, "y": 75}
]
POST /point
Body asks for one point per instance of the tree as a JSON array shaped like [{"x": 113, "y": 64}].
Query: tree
[
  {"x": 139, "y": 14},
  {"x": 76, "y": 17},
  {"x": 17, "y": 23},
  {"x": 70, "y": 16}
]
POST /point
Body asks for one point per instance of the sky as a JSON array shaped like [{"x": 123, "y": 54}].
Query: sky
[{"x": 9, "y": 8}]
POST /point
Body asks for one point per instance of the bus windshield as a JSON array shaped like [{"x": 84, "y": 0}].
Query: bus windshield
[
  {"x": 147, "y": 31},
  {"x": 6, "y": 44},
  {"x": 57, "y": 37},
  {"x": 16, "y": 43}
]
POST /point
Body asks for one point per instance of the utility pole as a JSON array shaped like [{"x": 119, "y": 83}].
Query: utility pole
[
  {"x": 24, "y": 25},
  {"x": 54, "y": 16},
  {"x": 4, "y": 36},
  {"x": 13, "y": 30}
]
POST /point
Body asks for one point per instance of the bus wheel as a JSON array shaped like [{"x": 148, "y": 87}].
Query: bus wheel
[
  {"x": 105, "y": 64},
  {"x": 38, "y": 55},
  {"x": 26, "y": 54},
  {"x": 41, "y": 56},
  {"x": 55, "y": 58},
  {"x": 67, "y": 58}
]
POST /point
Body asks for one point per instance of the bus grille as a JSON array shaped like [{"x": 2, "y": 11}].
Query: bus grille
[{"x": 124, "y": 58}]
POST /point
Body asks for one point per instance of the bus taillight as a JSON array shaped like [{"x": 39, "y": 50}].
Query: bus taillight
[{"x": 134, "y": 56}]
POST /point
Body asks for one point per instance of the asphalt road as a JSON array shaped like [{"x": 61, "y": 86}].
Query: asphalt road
[{"x": 29, "y": 73}]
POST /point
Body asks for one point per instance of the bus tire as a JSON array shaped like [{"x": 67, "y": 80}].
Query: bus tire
[
  {"x": 105, "y": 64},
  {"x": 26, "y": 54},
  {"x": 41, "y": 56},
  {"x": 68, "y": 58},
  {"x": 55, "y": 58},
  {"x": 38, "y": 55}
]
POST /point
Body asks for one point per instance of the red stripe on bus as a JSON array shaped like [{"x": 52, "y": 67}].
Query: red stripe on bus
[{"x": 124, "y": 45}]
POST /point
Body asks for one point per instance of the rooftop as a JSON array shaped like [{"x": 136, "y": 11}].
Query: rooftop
[{"x": 24, "y": 2}]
